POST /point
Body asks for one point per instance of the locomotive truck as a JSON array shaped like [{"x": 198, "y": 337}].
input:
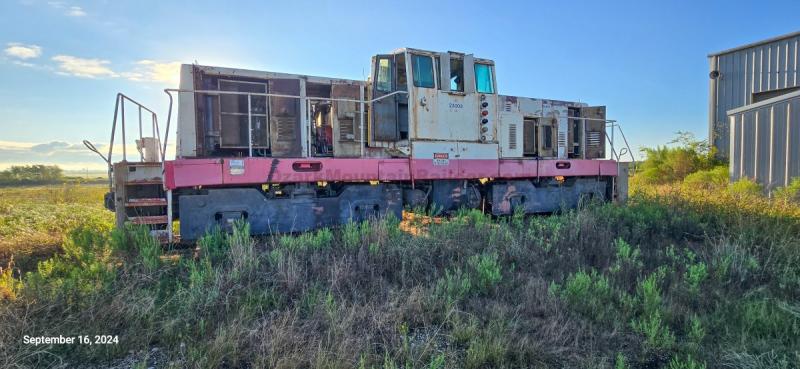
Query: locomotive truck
[{"x": 291, "y": 153}]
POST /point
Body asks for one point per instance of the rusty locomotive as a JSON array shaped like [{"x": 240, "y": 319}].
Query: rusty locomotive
[{"x": 290, "y": 153}]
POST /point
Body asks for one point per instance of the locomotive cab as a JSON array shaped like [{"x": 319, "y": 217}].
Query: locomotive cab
[{"x": 422, "y": 97}]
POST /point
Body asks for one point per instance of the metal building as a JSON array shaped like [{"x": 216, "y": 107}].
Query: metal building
[
  {"x": 765, "y": 140},
  {"x": 747, "y": 75}
]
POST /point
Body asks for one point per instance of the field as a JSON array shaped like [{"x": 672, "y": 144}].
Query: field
[
  {"x": 686, "y": 275},
  {"x": 33, "y": 220}
]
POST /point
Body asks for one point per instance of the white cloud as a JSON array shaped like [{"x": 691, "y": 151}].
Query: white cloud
[
  {"x": 75, "y": 11},
  {"x": 69, "y": 156},
  {"x": 22, "y": 51},
  {"x": 152, "y": 71},
  {"x": 23, "y": 64},
  {"x": 69, "y": 10},
  {"x": 64, "y": 154},
  {"x": 80, "y": 67},
  {"x": 57, "y": 4}
]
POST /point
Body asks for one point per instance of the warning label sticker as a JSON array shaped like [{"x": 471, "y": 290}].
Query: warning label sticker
[
  {"x": 441, "y": 158},
  {"x": 236, "y": 167}
]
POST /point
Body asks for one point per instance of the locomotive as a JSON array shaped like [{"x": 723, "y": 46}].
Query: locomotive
[{"x": 291, "y": 153}]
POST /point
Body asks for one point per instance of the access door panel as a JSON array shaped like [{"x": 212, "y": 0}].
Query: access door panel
[
  {"x": 595, "y": 131},
  {"x": 346, "y": 120},
  {"x": 477, "y": 160},
  {"x": 434, "y": 160},
  {"x": 284, "y": 118}
]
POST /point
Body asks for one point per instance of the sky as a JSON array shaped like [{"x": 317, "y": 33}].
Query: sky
[{"x": 62, "y": 62}]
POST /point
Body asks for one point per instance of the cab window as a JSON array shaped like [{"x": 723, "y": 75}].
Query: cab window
[
  {"x": 483, "y": 78},
  {"x": 384, "y": 80},
  {"x": 422, "y": 71},
  {"x": 456, "y": 75},
  {"x": 400, "y": 67}
]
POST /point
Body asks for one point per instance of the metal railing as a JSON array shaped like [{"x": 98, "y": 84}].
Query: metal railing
[
  {"x": 119, "y": 115},
  {"x": 623, "y": 150},
  {"x": 614, "y": 126},
  {"x": 250, "y": 95}
]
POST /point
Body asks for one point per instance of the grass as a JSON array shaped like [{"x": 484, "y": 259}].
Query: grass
[
  {"x": 683, "y": 276},
  {"x": 34, "y": 220}
]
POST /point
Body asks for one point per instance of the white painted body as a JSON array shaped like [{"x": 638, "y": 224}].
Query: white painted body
[{"x": 438, "y": 119}]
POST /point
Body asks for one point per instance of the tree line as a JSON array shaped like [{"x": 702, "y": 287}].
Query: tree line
[{"x": 31, "y": 175}]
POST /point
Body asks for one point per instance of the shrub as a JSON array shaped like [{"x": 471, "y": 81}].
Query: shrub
[
  {"x": 214, "y": 244},
  {"x": 688, "y": 363},
  {"x": 626, "y": 256},
  {"x": 590, "y": 294},
  {"x": 745, "y": 187},
  {"x": 241, "y": 250},
  {"x": 657, "y": 335},
  {"x": 696, "y": 330},
  {"x": 453, "y": 286},
  {"x": 790, "y": 193},
  {"x": 620, "y": 362},
  {"x": 695, "y": 274},
  {"x": 545, "y": 231},
  {"x": 353, "y": 234},
  {"x": 147, "y": 246},
  {"x": 9, "y": 285},
  {"x": 667, "y": 164},
  {"x": 487, "y": 271},
  {"x": 83, "y": 269},
  {"x": 717, "y": 177},
  {"x": 314, "y": 240},
  {"x": 649, "y": 294},
  {"x": 488, "y": 349}
]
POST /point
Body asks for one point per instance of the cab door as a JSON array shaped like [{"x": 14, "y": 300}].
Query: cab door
[
  {"x": 423, "y": 99},
  {"x": 383, "y": 116}
]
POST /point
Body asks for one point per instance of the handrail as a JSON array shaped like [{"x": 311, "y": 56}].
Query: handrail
[
  {"x": 120, "y": 107},
  {"x": 119, "y": 110},
  {"x": 614, "y": 125},
  {"x": 218, "y": 92},
  {"x": 625, "y": 150},
  {"x": 169, "y": 92}
]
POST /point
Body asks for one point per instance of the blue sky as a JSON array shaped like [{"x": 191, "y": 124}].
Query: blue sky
[{"x": 63, "y": 61}]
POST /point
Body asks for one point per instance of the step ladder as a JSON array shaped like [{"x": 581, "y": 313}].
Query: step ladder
[
  {"x": 140, "y": 198},
  {"x": 136, "y": 188}
]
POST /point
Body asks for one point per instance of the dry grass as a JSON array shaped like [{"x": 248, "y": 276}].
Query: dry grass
[{"x": 673, "y": 280}]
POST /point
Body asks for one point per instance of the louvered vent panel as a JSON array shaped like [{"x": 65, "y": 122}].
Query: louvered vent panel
[
  {"x": 347, "y": 130},
  {"x": 593, "y": 138},
  {"x": 562, "y": 139},
  {"x": 512, "y": 136},
  {"x": 285, "y": 127}
]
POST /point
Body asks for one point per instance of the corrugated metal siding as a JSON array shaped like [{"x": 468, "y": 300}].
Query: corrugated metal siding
[
  {"x": 766, "y": 67},
  {"x": 765, "y": 141}
]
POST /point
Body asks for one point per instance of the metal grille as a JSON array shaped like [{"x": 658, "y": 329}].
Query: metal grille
[
  {"x": 593, "y": 138},
  {"x": 347, "y": 129},
  {"x": 512, "y": 136},
  {"x": 286, "y": 126},
  {"x": 562, "y": 139}
]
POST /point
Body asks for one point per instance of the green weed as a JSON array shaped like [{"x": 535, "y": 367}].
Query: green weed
[
  {"x": 487, "y": 271},
  {"x": 688, "y": 363}
]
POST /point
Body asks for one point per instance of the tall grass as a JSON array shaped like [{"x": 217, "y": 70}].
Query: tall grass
[
  {"x": 34, "y": 220},
  {"x": 693, "y": 272},
  {"x": 666, "y": 281}
]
